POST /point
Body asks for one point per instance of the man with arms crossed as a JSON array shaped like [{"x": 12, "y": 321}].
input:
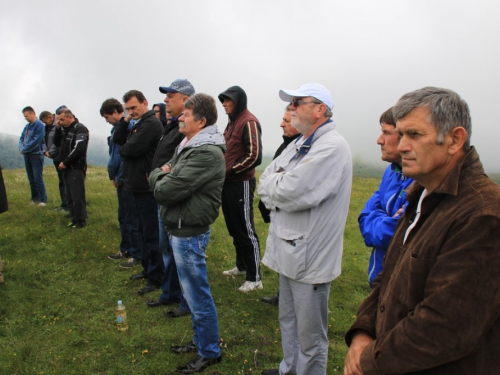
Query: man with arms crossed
[
  {"x": 307, "y": 188},
  {"x": 435, "y": 307}
]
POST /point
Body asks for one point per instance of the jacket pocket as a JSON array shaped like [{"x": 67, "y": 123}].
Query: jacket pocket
[{"x": 291, "y": 249}]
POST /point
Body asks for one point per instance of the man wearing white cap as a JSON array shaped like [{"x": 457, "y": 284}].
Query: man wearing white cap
[{"x": 307, "y": 188}]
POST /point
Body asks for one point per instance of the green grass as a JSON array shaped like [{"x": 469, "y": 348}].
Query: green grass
[{"x": 57, "y": 303}]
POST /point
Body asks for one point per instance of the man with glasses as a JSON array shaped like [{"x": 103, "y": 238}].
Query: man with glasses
[
  {"x": 244, "y": 153},
  {"x": 307, "y": 188}
]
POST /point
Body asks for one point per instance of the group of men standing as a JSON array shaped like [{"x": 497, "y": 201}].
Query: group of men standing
[
  {"x": 434, "y": 307},
  {"x": 62, "y": 138}
]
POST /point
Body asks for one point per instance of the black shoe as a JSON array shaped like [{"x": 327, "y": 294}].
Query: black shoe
[
  {"x": 182, "y": 349},
  {"x": 158, "y": 303},
  {"x": 275, "y": 300},
  {"x": 271, "y": 372},
  {"x": 198, "y": 364},
  {"x": 176, "y": 313},
  {"x": 147, "y": 288},
  {"x": 137, "y": 276},
  {"x": 119, "y": 255}
]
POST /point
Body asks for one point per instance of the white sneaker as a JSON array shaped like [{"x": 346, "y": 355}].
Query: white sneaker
[
  {"x": 234, "y": 272},
  {"x": 248, "y": 286},
  {"x": 41, "y": 204}
]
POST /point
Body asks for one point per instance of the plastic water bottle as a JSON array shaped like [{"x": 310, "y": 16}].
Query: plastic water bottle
[{"x": 121, "y": 317}]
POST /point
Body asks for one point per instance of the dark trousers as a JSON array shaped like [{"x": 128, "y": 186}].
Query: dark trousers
[
  {"x": 62, "y": 186},
  {"x": 149, "y": 241},
  {"x": 127, "y": 217},
  {"x": 34, "y": 170},
  {"x": 75, "y": 194},
  {"x": 237, "y": 206}
]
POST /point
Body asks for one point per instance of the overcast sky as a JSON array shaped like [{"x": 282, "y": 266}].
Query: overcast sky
[{"x": 366, "y": 52}]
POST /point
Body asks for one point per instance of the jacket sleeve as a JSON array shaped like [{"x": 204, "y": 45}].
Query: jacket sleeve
[
  {"x": 139, "y": 142},
  {"x": 375, "y": 224},
  {"x": 317, "y": 177},
  {"x": 252, "y": 143},
  {"x": 35, "y": 138},
  {"x": 459, "y": 305},
  {"x": 121, "y": 132},
  {"x": 80, "y": 148},
  {"x": 185, "y": 178},
  {"x": 114, "y": 162},
  {"x": 58, "y": 137}
]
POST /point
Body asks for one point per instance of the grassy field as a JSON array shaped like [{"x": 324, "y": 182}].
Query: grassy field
[{"x": 57, "y": 303}]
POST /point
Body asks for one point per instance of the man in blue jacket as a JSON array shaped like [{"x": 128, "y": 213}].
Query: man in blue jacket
[
  {"x": 31, "y": 147},
  {"x": 112, "y": 111},
  {"x": 378, "y": 219}
]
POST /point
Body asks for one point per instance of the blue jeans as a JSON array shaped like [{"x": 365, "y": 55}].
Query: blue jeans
[
  {"x": 149, "y": 242},
  {"x": 170, "y": 286},
  {"x": 189, "y": 253},
  {"x": 34, "y": 170},
  {"x": 127, "y": 217}
]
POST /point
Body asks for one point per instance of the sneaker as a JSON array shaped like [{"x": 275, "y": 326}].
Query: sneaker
[
  {"x": 41, "y": 204},
  {"x": 248, "y": 286},
  {"x": 234, "y": 272},
  {"x": 119, "y": 255},
  {"x": 131, "y": 262}
]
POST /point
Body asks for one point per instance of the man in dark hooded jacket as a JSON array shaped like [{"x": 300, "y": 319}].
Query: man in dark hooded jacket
[{"x": 244, "y": 153}]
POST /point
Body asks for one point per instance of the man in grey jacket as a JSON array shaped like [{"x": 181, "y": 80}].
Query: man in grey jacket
[
  {"x": 189, "y": 189},
  {"x": 307, "y": 188}
]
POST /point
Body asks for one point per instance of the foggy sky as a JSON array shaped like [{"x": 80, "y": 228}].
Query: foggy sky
[{"x": 367, "y": 53}]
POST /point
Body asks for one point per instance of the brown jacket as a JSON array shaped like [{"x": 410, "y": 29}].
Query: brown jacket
[{"x": 435, "y": 307}]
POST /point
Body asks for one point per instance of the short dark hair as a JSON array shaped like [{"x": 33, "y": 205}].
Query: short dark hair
[
  {"x": 28, "y": 109},
  {"x": 203, "y": 106},
  {"x": 109, "y": 106},
  {"x": 44, "y": 115},
  {"x": 387, "y": 118},
  {"x": 134, "y": 93},
  {"x": 67, "y": 113}
]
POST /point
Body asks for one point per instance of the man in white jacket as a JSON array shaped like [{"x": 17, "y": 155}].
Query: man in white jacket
[{"x": 307, "y": 188}]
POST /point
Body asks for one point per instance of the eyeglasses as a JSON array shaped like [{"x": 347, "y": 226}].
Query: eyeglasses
[{"x": 297, "y": 102}]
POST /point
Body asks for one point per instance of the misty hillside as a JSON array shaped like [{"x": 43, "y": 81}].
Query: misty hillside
[{"x": 10, "y": 158}]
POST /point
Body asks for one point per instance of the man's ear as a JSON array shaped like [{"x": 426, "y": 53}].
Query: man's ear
[{"x": 458, "y": 136}]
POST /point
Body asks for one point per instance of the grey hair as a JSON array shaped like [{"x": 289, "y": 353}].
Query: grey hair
[
  {"x": 203, "y": 106},
  {"x": 447, "y": 110},
  {"x": 328, "y": 112}
]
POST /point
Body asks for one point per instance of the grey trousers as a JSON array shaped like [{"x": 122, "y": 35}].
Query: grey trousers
[{"x": 303, "y": 315}]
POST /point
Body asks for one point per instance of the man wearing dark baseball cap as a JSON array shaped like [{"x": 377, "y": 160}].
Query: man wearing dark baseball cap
[{"x": 176, "y": 95}]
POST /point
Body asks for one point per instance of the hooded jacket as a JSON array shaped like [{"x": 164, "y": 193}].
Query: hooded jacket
[
  {"x": 163, "y": 113},
  {"x": 73, "y": 142},
  {"x": 190, "y": 194},
  {"x": 243, "y": 138},
  {"x": 137, "y": 151}
]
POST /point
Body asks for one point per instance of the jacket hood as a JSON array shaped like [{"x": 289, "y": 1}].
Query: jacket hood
[
  {"x": 238, "y": 96},
  {"x": 209, "y": 135},
  {"x": 163, "y": 113}
]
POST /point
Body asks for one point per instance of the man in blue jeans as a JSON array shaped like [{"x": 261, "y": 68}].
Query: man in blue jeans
[
  {"x": 112, "y": 111},
  {"x": 31, "y": 147},
  {"x": 189, "y": 189}
]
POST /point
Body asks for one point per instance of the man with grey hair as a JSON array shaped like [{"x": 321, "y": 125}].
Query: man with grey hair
[
  {"x": 307, "y": 188},
  {"x": 189, "y": 190},
  {"x": 434, "y": 309}
]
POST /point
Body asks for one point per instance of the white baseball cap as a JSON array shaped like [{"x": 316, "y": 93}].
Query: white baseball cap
[{"x": 314, "y": 90}]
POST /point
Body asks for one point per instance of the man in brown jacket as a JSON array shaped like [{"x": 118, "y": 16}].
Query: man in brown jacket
[{"x": 434, "y": 309}]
